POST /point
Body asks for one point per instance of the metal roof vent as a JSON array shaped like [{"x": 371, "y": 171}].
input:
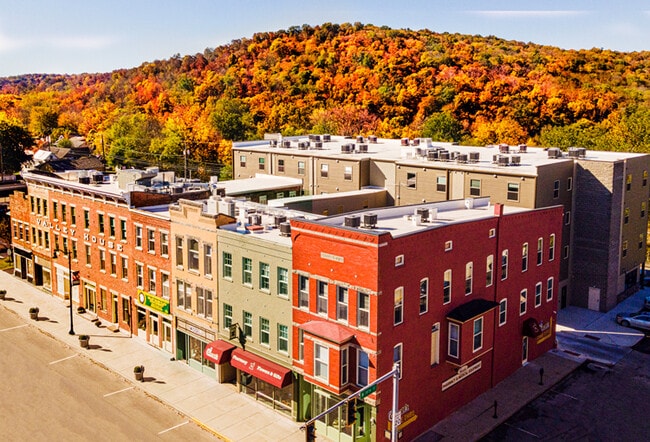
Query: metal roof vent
[
  {"x": 369, "y": 220},
  {"x": 352, "y": 221}
]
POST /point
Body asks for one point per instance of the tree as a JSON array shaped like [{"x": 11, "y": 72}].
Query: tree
[
  {"x": 130, "y": 139},
  {"x": 233, "y": 120},
  {"x": 442, "y": 126},
  {"x": 14, "y": 139}
]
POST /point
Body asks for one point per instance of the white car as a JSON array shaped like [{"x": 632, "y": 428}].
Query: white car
[{"x": 638, "y": 320}]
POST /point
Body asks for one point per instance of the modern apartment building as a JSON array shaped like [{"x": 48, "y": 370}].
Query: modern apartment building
[{"x": 592, "y": 187}]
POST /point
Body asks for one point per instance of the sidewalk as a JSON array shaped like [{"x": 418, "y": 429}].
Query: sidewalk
[{"x": 216, "y": 407}]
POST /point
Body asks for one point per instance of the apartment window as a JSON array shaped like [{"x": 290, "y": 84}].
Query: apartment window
[
  {"x": 227, "y": 315},
  {"x": 344, "y": 366},
  {"x": 441, "y": 184},
  {"x": 301, "y": 345},
  {"x": 73, "y": 245},
  {"x": 164, "y": 243},
  {"x": 283, "y": 282},
  {"x": 283, "y": 338},
  {"x": 363, "y": 363},
  {"x": 551, "y": 247},
  {"x": 102, "y": 260},
  {"x": 446, "y": 287},
  {"x": 397, "y": 358},
  {"x": 524, "y": 257},
  {"x": 549, "y": 289},
  {"x": 88, "y": 255},
  {"x": 227, "y": 265},
  {"x": 449, "y": 245},
  {"x": 567, "y": 217},
  {"x": 411, "y": 180},
  {"x": 138, "y": 237},
  {"x": 139, "y": 275},
  {"x": 55, "y": 210},
  {"x": 641, "y": 241},
  {"x": 324, "y": 170},
  {"x": 303, "y": 292},
  {"x": 503, "y": 311},
  {"x": 113, "y": 264},
  {"x": 188, "y": 296},
  {"x": 489, "y": 270},
  {"x": 643, "y": 206},
  {"x": 321, "y": 297},
  {"x": 566, "y": 252},
  {"x": 123, "y": 229},
  {"x": 399, "y": 260},
  {"x": 280, "y": 165},
  {"x": 645, "y": 178},
  {"x": 164, "y": 283},
  {"x": 513, "y": 192},
  {"x": 151, "y": 240},
  {"x": 321, "y": 362},
  {"x": 624, "y": 251},
  {"x": 569, "y": 184},
  {"x": 347, "y": 173},
  {"x": 125, "y": 267},
  {"x": 475, "y": 187},
  {"x": 111, "y": 226},
  {"x": 247, "y": 271},
  {"x": 435, "y": 344},
  {"x": 265, "y": 277},
  {"x": 207, "y": 260},
  {"x": 341, "y": 303},
  {"x": 301, "y": 167},
  {"x": 556, "y": 189},
  {"x": 628, "y": 182},
  {"x": 73, "y": 215},
  {"x": 200, "y": 301},
  {"x": 424, "y": 295},
  {"x": 193, "y": 254},
  {"x": 523, "y": 295},
  {"x": 248, "y": 325},
  {"x": 540, "y": 251},
  {"x": 260, "y": 163},
  {"x": 242, "y": 160},
  {"x": 538, "y": 294},
  {"x": 398, "y": 306},
  {"x": 492, "y": 233},
  {"x": 363, "y": 310},
  {"x": 100, "y": 222},
  {"x": 152, "y": 279},
  {"x": 265, "y": 331},
  {"x": 454, "y": 335},
  {"x": 469, "y": 272},
  {"x": 626, "y": 215},
  {"x": 504, "y": 264},
  {"x": 478, "y": 334}
]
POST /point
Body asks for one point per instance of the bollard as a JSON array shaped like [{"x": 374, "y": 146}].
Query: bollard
[
  {"x": 495, "y": 409},
  {"x": 541, "y": 376}
]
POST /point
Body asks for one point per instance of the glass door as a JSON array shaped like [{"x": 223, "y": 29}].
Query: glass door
[
  {"x": 154, "y": 334},
  {"x": 167, "y": 336}
]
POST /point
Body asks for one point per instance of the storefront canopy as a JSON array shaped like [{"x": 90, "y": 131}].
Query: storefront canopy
[
  {"x": 218, "y": 351},
  {"x": 259, "y": 367}
]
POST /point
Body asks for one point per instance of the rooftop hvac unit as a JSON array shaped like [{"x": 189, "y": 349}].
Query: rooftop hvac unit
[
  {"x": 523, "y": 148},
  {"x": 554, "y": 152},
  {"x": 372, "y": 139},
  {"x": 279, "y": 219},
  {"x": 416, "y": 142},
  {"x": 369, "y": 220},
  {"x": 432, "y": 154},
  {"x": 327, "y": 138},
  {"x": 303, "y": 145},
  {"x": 84, "y": 180},
  {"x": 461, "y": 158},
  {"x": 347, "y": 148},
  {"x": 363, "y": 148},
  {"x": 582, "y": 152},
  {"x": 474, "y": 157},
  {"x": 285, "y": 228},
  {"x": 495, "y": 158},
  {"x": 360, "y": 139},
  {"x": 504, "y": 148},
  {"x": 318, "y": 144},
  {"x": 255, "y": 219},
  {"x": 515, "y": 160},
  {"x": 423, "y": 212},
  {"x": 444, "y": 155},
  {"x": 352, "y": 221},
  {"x": 287, "y": 144},
  {"x": 273, "y": 143},
  {"x": 454, "y": 154},
  {"x": 220, "y": 191},
  {"x": 314, "y": 138},
  {"x": 98, "y": 178},
  {"x": 504, "y": 160},
  {"x": 405, "y": 141}
]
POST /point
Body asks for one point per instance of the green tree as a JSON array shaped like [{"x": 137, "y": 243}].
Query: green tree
[
  {"x": 442, "y": 126},
  {"x": 14, "y": 139},
  {"x": 129, "y": 140},
  {"x": 233, "y": 120},
  {"x": 43, "y": 120}
]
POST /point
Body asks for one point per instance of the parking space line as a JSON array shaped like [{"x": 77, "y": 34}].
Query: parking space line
[
  {"x": 64, "y": 359},
  {"x": 13, "y": 328},
  {"x": 118, "y": 391},
  {"x": 523, "y": 431},
  {"x": 174, "y": 427}
]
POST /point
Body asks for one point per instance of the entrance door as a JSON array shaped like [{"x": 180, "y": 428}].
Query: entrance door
[
  {"x": 524, "y": 350},
  {"x": 594, "y": 299},
  {"x": 114, "y": 308},
  {"x": 154, "y": 335},
  {"x": 167, "y": 335}
]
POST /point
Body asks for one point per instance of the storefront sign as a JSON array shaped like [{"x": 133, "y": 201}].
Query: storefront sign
[
  {"x": 154, "y": 302},
  {"x": 463, "y": 372},
  {"x": 331, "y": 257},
  {"x": 406, "y": 419},
  {"x": 259, "y": 367},
  {"x": 102, "y": 242},
  {"x": 546, "y": 331}
]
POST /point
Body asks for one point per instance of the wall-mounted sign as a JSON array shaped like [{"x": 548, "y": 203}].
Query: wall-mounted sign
[
  {"x": 153, "y": 302},
  {"x": 463, "y": 372}
]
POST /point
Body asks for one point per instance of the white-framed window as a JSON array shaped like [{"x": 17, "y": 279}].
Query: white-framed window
[
  {"x": 265, "y": 277},
  {"x": 399, "y": 260},
  {"x": 453, "y": 347},
  {"x": 435, "y": 343},
  {"x": 397, "y": 358},
  {"x": 321, "y": 294},
  {"x": 523, "y": 299},
  {"x": 151, "y": 273},
  {"x": 123, "y": 229},
  {"x": 398, "y": 306},
  {"x": 556, "y": 189},
  {"x": 347, "y": 173},
  {"x": 513, "y": 192},
  {"x": 207, "y": 260},
  {"x": 303, "y": 291},
  {"x": 344, "y": 366},
  {"x": 446, "y": 287},
  {"x": 540, "y": 251},
  {"x": 469, "y": 276},
  {"x": 324, "y": 170},
  {"x": 551, "y": 247},
  {"x": 164, "y": 243},
  {"x": 503, "y": 311},
  {"x": 193, "y": 254},
  {"x": 549, "y": 289},
  {"x": 180, "y": 293},
  {"x": 102, "y": 260},
  {"x": 567, "y": 217},
  {"x": 449, "y": 245},
  {"x": 164, "y": 284},
  {"x": 247, "y": 271},
  {"x": 248, "y": 324},
  {"x": 411, "y": 180},
  {"x": 151, "y": 240},
  {"x": 524, "y": 257},
  {"x": 569, "y": 184},
  {"x": 265, "y": 331},
  {"x": 208, "y": 303},
  {"x": 301, "y": 345},
  {"x": 138, "y": 237},
  {"x": 441, "y": 184},
  {"x": 283, "y": 338},
  {"x": 424, "y": 295},
  {"x": 363, "y": 363},
  {"x": 283, "y": 282},
  {"x": 301, "y": 167},
  {"x": 478, "y": 334},
  {"x": 475, "y": 187},
  {"x": 538, "y": 294},
  {"x": 341, "y": 303},
  {"x": 492, "y": 233},
  {"x": 139, "y": 275},
  {"x": 111, "y": 226},
  {"x": 179, "y": 251},
  {"x": 200, "y": 301},
  {"x": 321, "y": 362},
  {"x": 125, "y": 267},
  {"x": 489, "y": 270},
  {"x": 524, "y": 350},
  {"x": 227, "y": 315},
  {"x": 226, "y": 259},
  {"x": 260, "y": 162},
  {"x": 504, "y": 264},
  {"x": 113, "y": 264},
  {"x": 363, "y": 310}
]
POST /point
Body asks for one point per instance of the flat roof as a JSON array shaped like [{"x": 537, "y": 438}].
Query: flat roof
[{"x": 260, "y": 182}]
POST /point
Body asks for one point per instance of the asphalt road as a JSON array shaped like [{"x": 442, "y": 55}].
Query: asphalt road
[
  {"x": 50, "y": 391},
  {"x": 595, "y": 403}
]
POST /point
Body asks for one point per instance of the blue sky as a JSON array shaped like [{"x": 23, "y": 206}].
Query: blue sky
[{"x": 77, "y": 36}]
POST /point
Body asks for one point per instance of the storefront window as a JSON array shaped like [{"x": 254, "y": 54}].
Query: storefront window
[{"x": 196, "y": 349}]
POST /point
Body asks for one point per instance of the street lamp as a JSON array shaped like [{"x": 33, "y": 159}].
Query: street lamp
[{"x": 70, "y": 282}]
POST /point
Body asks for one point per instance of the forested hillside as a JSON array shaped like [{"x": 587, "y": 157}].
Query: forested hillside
[{"x": 344, "y": 79}]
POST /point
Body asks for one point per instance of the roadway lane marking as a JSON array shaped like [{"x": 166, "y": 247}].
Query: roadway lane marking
[
  {"x": 118, "y": 391},
  {"x": 523, "y": 431},
  {"x": 64, "y": 359},
  {"x": 13, "y": 328},
  {"x": 174, "y": 427}
]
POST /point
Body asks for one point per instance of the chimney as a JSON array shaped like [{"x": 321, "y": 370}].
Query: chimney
[{"x": 498, "y": 209}]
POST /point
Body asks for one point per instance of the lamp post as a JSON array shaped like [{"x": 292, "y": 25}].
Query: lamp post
[{"x": 70, "y": 282}]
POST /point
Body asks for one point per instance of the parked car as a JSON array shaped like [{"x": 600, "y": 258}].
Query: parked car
[
  {"x": 646, "y": 304},
  {"x": 637, "y": 319}
]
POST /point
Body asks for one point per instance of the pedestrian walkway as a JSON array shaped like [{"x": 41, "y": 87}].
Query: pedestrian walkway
[{"x": 219, "y": 408}]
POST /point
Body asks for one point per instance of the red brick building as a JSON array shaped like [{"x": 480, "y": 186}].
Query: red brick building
[{"x": 460, "y": 293}]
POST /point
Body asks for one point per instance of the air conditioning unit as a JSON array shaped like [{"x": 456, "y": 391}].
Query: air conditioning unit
[
  {"x": 327, "y": 138},
  {"x": 363, "y": 148},
  {"x": 461, "y": 158},
  {"x": 372, "y": 139},
  {"x": 474, "y": 157},
  {"x": 255, "y": 219},
  {"x": 285, "y": 228},
  {"x": 554, "y": 152},
  {"x": 369, "y": 220},
  {"x": 515, "y": 160},
  {"x": 352, "y": 221},
  {"x": 279, "y": 219},
  {"x": 424, "y": 213}
]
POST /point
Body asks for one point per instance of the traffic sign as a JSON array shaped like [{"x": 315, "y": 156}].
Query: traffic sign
[{"x": 367, "y": 391}]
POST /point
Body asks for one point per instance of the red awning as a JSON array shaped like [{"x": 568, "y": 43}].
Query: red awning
[
  {"x": 331, "y": 331},
  {"x": 218, "y": 351},
  {"x": 531, "y": 328},
  {"x": 259, "y": 367}
]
